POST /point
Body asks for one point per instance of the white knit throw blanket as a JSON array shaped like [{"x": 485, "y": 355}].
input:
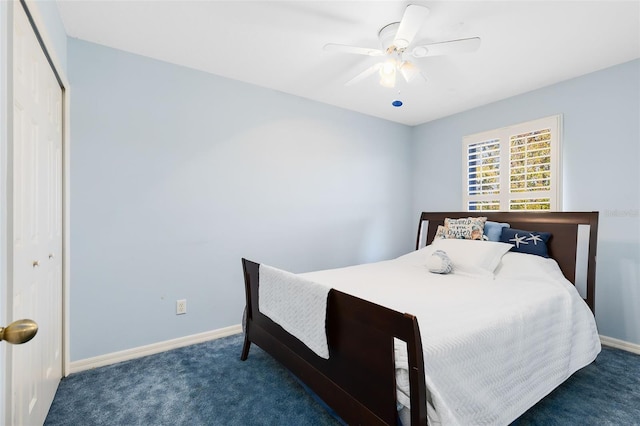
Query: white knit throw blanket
[{"x": 297, "y": 304}]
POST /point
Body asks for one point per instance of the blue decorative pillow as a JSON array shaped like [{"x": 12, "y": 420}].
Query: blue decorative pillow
[
  {"x": 492, "y": 230},
  {"x": 531, "y": 242}
]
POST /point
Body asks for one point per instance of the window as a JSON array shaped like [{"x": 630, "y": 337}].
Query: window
[{"x": 513, "y": 168}]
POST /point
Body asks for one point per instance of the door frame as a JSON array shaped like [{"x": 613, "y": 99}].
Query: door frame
[{"x": 7, "y": 10}]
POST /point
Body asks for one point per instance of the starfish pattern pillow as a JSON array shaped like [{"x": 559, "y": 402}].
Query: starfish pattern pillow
[{"x": 531, "y": 242}]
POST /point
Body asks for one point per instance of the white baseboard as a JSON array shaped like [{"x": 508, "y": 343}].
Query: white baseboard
[
  {"x": 155, "y": 348},
  {"x": 620, "y": 344},
  {"x": 126, "y": 355}
]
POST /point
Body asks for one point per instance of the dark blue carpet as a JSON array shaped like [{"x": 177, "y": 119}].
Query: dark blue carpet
[
  {"x": 605, "y": 392},
  {"x": 203, "y": 384},
  {"x": 207, "y": 384}
]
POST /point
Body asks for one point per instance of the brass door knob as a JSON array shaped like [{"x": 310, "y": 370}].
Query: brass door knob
[{"x": 19, "y": 332}]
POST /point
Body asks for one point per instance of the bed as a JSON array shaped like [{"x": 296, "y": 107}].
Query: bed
[{"x": 376, "y": 356}]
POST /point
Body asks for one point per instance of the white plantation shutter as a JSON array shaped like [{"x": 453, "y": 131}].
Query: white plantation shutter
[
  {"x": 483, "y": 174},
  {"x": 513, "y": 168}
]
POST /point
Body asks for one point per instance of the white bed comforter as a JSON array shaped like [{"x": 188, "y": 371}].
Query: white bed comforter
[{"x": 492, "y": 347}]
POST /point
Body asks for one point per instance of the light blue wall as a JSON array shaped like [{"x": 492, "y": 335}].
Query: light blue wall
[
  {"x": 177, "y": 174},
  {"x": 601, "y": 152}
]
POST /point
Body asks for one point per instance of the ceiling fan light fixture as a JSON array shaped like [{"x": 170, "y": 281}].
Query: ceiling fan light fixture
[
  {"x": 388, "y": 80},
  {"x": 408, "y": 71},
  {"x": 388, "y": 67},
  {"x": 388, "y": 73}
]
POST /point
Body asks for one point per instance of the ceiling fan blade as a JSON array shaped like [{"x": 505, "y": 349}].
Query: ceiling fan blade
[
  {"x": 364, "y": 74},
  {"x": 464, "y": 45},
  {"x": 333, "y": 47},
  {"x": 414, "y": 16}
]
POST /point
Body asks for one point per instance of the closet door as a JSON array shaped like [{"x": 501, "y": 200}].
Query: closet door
[{"x": 36, "y": 367}]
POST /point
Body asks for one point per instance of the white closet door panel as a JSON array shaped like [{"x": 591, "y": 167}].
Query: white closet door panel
[{"x": 37, "y": 225}]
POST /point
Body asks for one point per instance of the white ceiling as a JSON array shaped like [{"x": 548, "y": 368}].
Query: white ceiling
[{"x": 279, "y": 45}]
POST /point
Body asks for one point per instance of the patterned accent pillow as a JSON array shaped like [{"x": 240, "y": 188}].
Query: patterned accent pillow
[
  {"x": 531, "y": 242},
  {"x": 439, "y": 263},
  {"x": 440, "y": 232},
  {"x": 466, "y": 228}
]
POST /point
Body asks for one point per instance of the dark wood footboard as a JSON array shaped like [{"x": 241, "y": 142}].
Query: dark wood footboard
[{"x": 358, "y": 379}]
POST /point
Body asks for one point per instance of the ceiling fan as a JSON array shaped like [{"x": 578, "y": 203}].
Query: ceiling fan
[{"x": 396, "y": 39}]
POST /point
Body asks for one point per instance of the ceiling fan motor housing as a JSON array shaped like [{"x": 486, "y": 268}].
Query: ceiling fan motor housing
[{"x": 387, "y": 34}]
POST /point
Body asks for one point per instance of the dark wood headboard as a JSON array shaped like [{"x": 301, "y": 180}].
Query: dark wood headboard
[{"x": 563, "y": 245}]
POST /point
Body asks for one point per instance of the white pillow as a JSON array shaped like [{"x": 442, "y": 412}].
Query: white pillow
[
  {"x": 472, "y": 257},
  {"x": 524, "y": 266}
]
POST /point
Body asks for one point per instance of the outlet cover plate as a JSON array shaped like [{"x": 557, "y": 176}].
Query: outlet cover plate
[{"x": 181, "y": 306}]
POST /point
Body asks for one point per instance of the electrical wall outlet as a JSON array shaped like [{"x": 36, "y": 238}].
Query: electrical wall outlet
[{"x": 181, "y": 306}]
